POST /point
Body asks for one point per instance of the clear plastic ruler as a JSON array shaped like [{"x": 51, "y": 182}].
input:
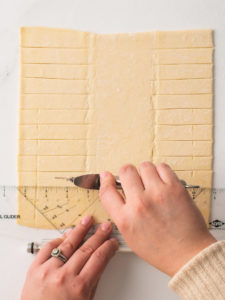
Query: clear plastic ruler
[{"x": 57, "y": 215}]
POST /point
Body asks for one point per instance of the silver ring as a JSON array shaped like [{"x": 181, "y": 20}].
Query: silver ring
[{"x": 56, "y": 252}]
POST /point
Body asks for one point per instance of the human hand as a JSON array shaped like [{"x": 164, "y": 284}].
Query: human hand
[
  {"x": 77, "y": 279},
  {"x": 157, "y": 218}
]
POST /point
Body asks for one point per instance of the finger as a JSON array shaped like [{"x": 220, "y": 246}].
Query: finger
[
  {"x": 167, "y": 174},
  {"x": 130, "y": 181},
  {"x": 67, "y": 233},
  {"x": 73, "y": 240},
  {"x": 81, "y": 256},
  {"x": 45, "y": 252},
  {"x": 111, "y": 199},
  {"x": 149, "y": 175},
  {"x": 95, "y": 266}
]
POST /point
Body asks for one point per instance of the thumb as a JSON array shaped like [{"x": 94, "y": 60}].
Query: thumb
[{"x": 110, "y": 197}]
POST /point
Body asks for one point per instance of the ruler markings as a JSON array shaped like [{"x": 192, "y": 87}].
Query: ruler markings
[{"x": 57, "y": 215}]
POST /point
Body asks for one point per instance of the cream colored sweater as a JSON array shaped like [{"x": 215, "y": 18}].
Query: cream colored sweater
[{"x": 203, "y": 277}]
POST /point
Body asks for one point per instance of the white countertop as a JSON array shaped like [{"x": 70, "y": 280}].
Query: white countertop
[{"x": 126, "y": 277}]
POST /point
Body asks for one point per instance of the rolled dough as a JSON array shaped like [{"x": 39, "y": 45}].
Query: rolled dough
[{"x": 92, "y": 102}]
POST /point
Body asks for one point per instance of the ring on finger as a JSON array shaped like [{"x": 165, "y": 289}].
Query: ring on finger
[{"x": 56, "y": 252}]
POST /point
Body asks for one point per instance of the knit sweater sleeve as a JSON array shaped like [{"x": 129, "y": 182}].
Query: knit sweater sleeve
[{"x": 203, "y": 277}]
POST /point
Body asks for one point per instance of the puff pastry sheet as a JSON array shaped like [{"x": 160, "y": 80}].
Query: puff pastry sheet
[{"x": 92, "y": 102}]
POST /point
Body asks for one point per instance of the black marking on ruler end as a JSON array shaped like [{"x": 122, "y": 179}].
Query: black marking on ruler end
[
  {"x": 217, "y": 224},
  {"x": 32, "y": 248}
]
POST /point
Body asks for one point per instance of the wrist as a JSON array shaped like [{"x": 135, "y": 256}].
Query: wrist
[{"x": 191, "y": 252}]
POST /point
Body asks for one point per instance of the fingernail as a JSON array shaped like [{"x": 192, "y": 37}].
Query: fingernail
[
  {"x": 86, "y": 220},
  {"x": 103, "y": 174},
  {"x": 106, "y": 226},
  {"x": 115, "y": 242}
]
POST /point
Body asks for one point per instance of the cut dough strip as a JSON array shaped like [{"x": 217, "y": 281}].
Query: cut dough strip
[
  {"x": 184, "y": 148},
  {"x": 186, "y": 71},
  {"x": 184, "y": 86},
  {"x": 54, "y": 56},
  {"x": 183, "y": 101},
  {"x": 184, "y": 56},
  {"x": 184, "y": 116},
  {"x": 53, "y": 71},
  {"x": 51, "y": 101},
  {"x": 184, "y": 132}
]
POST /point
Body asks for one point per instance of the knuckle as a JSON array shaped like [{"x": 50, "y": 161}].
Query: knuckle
[
  {"x": 159, "y": 197},
  {"x": 139, "y": 207},
  {"x": 43, "y": 274},
  {"x": 104, "y": 190},
  {"x": 59, "y": 278},
  {"x": 100, "y": 254},
  {"x": 50, "y": 245},
  {"x": 80, "y": 286},
  {"x": 126, "y": 168},
  {"x": 67, "y": 246},
  {"x": 86, "y": 250}
]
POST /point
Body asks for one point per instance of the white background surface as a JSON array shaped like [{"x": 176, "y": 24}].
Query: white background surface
[{"x": 127, "y": 277}]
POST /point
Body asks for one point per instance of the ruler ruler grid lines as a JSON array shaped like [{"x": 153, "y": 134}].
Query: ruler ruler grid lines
[{"x": 58, "y": 214}]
